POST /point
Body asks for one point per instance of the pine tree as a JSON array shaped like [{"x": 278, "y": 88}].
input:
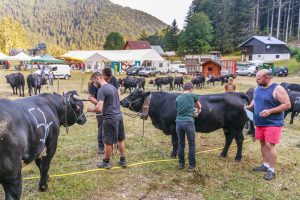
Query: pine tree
[
  {"x": 197, "y": 36},
  {"x": 114, "y": 41},
  {"x": 171, "y": 37}
]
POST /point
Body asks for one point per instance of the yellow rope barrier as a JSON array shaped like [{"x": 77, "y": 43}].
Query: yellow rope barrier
[{"x": 130, "y": 165}]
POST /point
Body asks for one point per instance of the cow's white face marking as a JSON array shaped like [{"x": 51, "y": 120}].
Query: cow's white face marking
[
  {"x": 297, "y": 101},
  {"x": 40, "y": 120}
]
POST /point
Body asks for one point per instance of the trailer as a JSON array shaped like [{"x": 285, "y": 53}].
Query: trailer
[{"x": 230, "y": 66}]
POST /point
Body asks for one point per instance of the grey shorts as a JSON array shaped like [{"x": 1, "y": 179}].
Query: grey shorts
[{"x": 113, "y": 131}]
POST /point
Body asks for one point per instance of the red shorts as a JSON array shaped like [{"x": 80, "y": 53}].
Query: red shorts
[{"x": 269, "y": 134}]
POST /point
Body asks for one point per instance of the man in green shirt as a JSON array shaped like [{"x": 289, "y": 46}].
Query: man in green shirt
[{"x": 185, "y": 104}]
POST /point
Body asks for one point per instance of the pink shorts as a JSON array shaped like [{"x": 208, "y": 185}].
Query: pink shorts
[{"x": 271, "y": 134}]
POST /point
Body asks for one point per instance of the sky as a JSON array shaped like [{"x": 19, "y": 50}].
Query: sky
[{"x": 165, "y": 10}]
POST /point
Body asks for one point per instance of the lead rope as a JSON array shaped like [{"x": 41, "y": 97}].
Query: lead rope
[
  {"x": 66, "y": 119},
  {"x": 145, "y": 112}
]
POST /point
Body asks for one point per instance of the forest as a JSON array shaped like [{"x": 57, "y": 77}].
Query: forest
[{"x": 76, "y": 24}]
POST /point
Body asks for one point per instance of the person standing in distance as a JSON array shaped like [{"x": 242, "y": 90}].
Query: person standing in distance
[
  {"x": 185, "y": 104},
  {"x": 108, "y": 103},
  {"x": 230, "y": 87},
  {"x": 269, "y": 103}
]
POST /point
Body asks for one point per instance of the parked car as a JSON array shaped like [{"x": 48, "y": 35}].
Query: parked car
[
  {"x": 134, "y": 70},
  {"x": 178, "y": 68},
  {"x": 148, "y": 72},
  {"x": 224, "y": 72},
  {"x": 281, "y": 71},
  {"x": 62, "y": 71},
  {"x": 249, "y": 71}
]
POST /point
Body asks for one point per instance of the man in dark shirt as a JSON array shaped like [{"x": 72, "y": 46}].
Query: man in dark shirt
[
  {"x": 93, "y": 90},
  {"x": 108, "y": 102}
]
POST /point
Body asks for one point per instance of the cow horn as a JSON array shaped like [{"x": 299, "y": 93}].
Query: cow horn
[{"x": 76, "y": 97}]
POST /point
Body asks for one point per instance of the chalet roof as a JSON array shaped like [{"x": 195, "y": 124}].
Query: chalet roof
[
  {"x": 213, "y": 61},
  {"x": 134, "y": 45},
  {"x": 265, "y": 39}
]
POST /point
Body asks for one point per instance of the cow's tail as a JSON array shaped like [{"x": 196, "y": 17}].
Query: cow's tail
[{"x": 250, "y": 124}]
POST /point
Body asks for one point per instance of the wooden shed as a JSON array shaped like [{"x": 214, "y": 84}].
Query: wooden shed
[{"x": 211, "y": 67}]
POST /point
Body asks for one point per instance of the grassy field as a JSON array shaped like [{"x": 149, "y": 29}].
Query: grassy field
[{"x": 215, "y": 178}]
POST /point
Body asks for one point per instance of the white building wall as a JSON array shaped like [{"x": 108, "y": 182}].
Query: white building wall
[{"x": 269, "y": 57}]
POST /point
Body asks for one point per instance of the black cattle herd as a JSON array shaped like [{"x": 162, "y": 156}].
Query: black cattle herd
[
  {"x": 131, "y": 82},
  {"x": 30, "y": 126},
  {"x": 17, "y": 82}
]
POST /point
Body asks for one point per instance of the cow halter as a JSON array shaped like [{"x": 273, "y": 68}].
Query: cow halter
[
  {"x": 143, "y": 113},
  {"x": 67, "y": 101}
]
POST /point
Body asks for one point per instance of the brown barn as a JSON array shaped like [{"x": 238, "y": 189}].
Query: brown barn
[
  {"x": 135, "y": 45},
  {"x": 211, "y": 67}
]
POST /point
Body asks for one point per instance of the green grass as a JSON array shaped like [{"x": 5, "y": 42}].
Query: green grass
[
  {"x": 292, "y": 65},
  {"x": 215, "y": 178}
]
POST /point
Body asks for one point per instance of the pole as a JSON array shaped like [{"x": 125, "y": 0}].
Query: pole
[
  {"x": 58, "y": 84},
  {"x": 82, "y": 79}
]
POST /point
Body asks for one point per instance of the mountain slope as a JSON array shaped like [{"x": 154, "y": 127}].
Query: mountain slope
[{"x": 78, "y": 24}]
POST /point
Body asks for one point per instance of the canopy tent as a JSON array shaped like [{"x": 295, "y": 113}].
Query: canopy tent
[
  {"x": 114, "y": 55},
  {"x": 47, "y": 59},
  {"x": 83, "y": 56},
  {"x": 3, "y": 56},
  {"x": 20, "y": 57},
  {"x": 131, "y": 55}
]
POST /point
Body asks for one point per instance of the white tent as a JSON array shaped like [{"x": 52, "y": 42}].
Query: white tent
[
  {"x": 85, "y": 56},
  {"x": 3, "y": 56},
  {"x": 131, "y": 55},
  {"x": 20, "y": 57},
  {"x": 114, "y": 55}
]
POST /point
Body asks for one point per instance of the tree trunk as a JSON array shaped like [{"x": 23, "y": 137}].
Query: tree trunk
[
  {"x": 257, "y": 16},
  {"x": 268, "y": 20},
  {"x": 287, "y": 22},
  {"x": 292, "y": 19},
  {"x": 272, "y": 19},
  {"x": 279, "y": 19},
  {"x": 284, "y": 21},
  {"x": 298, "y": 31}
]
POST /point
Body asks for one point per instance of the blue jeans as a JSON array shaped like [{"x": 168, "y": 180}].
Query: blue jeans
[
  {"x": 186, "y": 128},
  {"x": 100, "y": 133}
]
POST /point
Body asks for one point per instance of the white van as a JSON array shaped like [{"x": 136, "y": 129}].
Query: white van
[
  {"x": 62, "y": 71},
  {"x": 178, "y": 68}
]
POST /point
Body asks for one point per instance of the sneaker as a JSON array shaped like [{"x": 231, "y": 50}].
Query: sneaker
[
  {"x": 123, "y": 163},
  {"x": 191, "y": 168},
  {"x": 181, "y": 166},
  {"x": 269, "y": 175},
  {"x": 261, "y": 168},
  {"x": 104, "y": 165}
]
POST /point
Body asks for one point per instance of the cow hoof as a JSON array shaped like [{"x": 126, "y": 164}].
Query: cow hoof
[
  {"x": 43, "y": 188},
  {"x": 238, "y": 159}
]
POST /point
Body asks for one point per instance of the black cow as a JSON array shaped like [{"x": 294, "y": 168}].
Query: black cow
[
  {"x": 178, "y": 82},
  {"x": 16, "y": 81},
  {"x": 199, "y": 81},
  {"x": 224, "y": 111},
  {"x": 291, "y": 86},
  {"x": 29, "y": 132},
  {"x": 164, "y": 81},
  {"x": 213, "y": 79},
  {"x": 35, "y": 81},
  {"x": 132, "y": 82},
  {"x": 295, "y": 105}
]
